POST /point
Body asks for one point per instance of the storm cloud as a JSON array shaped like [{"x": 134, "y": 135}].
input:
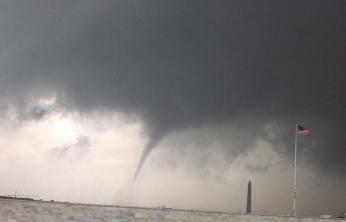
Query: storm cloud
[{"x": 179, "y": 65}]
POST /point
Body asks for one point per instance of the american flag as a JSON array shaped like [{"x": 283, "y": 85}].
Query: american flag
[{"x": 302, "y": 131}]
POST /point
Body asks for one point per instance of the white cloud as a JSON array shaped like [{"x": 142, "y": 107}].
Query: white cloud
[{"x": 29, "y": 165}]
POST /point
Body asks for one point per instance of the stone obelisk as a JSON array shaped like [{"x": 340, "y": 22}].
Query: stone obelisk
[{"x": 248, "y": 203}]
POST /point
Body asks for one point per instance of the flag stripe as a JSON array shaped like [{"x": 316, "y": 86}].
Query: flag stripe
[{"x": 302, "y": 131}]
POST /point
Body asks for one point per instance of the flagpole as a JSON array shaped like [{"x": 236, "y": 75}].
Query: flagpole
[{"x": 295, "y": 171}]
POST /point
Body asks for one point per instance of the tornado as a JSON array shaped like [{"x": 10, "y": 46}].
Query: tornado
[{"x": 147, "y": 149}]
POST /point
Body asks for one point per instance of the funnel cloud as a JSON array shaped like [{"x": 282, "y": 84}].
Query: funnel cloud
[{"x": 147, "y": 149}]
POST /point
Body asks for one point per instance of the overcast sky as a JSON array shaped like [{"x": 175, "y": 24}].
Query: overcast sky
[{"x": 174, "y": 104}]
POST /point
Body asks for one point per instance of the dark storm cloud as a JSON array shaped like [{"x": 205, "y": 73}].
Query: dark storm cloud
[{"x": 186, "y": 64}]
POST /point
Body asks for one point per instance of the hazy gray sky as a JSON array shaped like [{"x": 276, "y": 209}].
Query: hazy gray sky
[{"x": 204, "y": 94}]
